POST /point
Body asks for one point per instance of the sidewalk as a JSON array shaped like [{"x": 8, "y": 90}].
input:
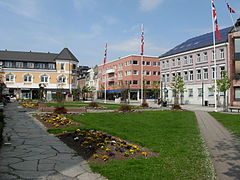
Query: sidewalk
[
  {"x": 35, "y": 154},
  {"x": 224, "y": 149}
]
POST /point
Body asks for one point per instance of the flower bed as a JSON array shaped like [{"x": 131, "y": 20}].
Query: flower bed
[
  {"x": 53, "y": 121},
  {"x": 28, "y": 104},
  {"x": 98, "y": 147}
]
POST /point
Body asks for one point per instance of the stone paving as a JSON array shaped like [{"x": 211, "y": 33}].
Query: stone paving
[
  {"x": 32, "y": 153},
  {"x": 224, "y": 148}
]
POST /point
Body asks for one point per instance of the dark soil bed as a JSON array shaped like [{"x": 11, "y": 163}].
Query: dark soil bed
[{"x": 99, "y": 147}]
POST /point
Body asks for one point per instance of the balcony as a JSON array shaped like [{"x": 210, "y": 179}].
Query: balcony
[{"x": 110, "y": 71}]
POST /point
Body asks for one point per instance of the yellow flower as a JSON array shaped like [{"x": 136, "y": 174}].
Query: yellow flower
[{"x": 144, "y": 154}]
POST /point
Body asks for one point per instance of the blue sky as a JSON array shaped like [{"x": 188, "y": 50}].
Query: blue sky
[{"x": 84, "y": 26}]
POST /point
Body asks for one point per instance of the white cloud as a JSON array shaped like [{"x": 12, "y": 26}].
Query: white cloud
[
  {"x": 132, "y": 46},
  {"x": 25, "y": 8},
  {"x": 148, "y": 5}
]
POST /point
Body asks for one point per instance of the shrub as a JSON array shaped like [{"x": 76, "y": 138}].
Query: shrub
[
  {"x": 176, "y": 107},
  {"x": 144, "y": 104},
  {"x": 60, "y": 110},
  {"x": 93, "y": 104},
  {"x": 125, "y": 108}
]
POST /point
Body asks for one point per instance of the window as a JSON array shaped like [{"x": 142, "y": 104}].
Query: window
[
  {"x": 51, "y": 66},
  {"x": 213, "y": 55},
  {"x": 9, "y": 77},
  {"x": 30, "y": 65},
  {"x": 185, "y": 60},
  {"x": 185, "y": 76},
  {"x": 200, "y": 93},
  {"x": 158, "y": 63},
  {"x": 205, "y": 74},
  {"x": 143, "y": 63},
  {"x": 178, "y": 61},
  {"x": 40, "y": 65},
  {"x": 173, "y": 62},
  {"x": 8, "y": 64},
  {"x": 198, "y": 58},
  {"x": 62, "y": 66},
  {"x": 27, "y": 78},
  {"x": 205, "y": 56},
  {"x": 190, "y": 59},
  {"x": 159, "y": 73},
  {"x": 148, "y": 73},
  {"x": 167, "y": 64},
  {"x": 44, "y": 79},
  {"x": 191, "y": 75},
  {"x": 19, "y": 64},
  {"x": 179, "y": 73},
  {"x": 119, "y": 74},
  {"x": 213, "y": 72},
  {"x": 237, "y": 93},
  {"x": 135, "y": 82},
  {"x": 163, "y": 64},
  {"x": 62, "y": 79},
  {"x": 210, "y": 92},
  {"x": 128, "y": 63},
  {"x": 120, "y": 66},
  {"x": 148, "y": 82},
  {"x": 129, "y": 72},
  {"x": 144, "y": 72},
  {"x": 222, "y": 53},
  {"x": 135, "y": 72},
  {"x": 222, "y": 68},
  {"x": 163, "y": 77},
  {"x": 154, "y": 73},
  {"x": 154, "y": 63},
  {"x": 173, "y": 76},
  {"x": 237, "y": 48},
  {"x": 135, "y": 62},
  {"x": 190, "y": 92},
  {"x": 173, "y": 93},
  {"x": 167, "y": 78},
  {"x": 199, "y": 75},
  {"x": 148, "y": 63}
]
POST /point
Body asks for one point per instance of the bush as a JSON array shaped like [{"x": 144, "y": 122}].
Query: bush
[
  {"x": 144, "y": 104},
  {"x": 176, "y": 107},
  {"x": 125, "y": 108},
  {"x": 60, "y": 110},
  {"x": 93, "y": 104}
]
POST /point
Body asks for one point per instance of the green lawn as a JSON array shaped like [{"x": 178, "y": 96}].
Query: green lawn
[
  {"x": 175, "y": 135},
  {"x": 230, "y": 121},
  {"x": 83, "y": 104}
]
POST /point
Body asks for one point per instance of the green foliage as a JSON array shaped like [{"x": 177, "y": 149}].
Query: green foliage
[
  {"x": 224, "y": 83},
  {"x": 173, "y": 134},
  {"x": 178, "y": 87}
]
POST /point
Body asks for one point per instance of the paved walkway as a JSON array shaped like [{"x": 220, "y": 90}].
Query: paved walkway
[
  {"x": 35, "y": 154},
  {"x": 223, "y": 147}
]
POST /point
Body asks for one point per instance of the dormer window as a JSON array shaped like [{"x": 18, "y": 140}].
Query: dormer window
[
  {"x": 62, "y": 66},
  {"x": 9, "y": 77},
  {"x": 44, "y": 79},
  {"x": 62, "y": 79}
]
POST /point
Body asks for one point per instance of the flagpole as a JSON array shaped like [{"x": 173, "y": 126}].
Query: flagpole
[
  {"x": 233, "y": 22},
  {"x": 105, "y": 97},
  {"x": 141, "y": 78},
  {"x": 214, "y": 58}
]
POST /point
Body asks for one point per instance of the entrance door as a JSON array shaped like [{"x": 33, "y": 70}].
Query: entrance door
[{"x": 26, "y": 94}]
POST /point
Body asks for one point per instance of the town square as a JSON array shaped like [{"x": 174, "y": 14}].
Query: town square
[{"x": 119, "y": 90}]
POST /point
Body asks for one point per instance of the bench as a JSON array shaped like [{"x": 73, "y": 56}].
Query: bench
[
  {"x": 211, "y": 104},
  {"x": 234, "y": 108}
]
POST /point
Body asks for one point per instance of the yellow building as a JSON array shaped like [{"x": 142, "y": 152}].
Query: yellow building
[{"x": 25, "y": 72}]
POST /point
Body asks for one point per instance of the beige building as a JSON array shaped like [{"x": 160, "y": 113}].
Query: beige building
[{"x": 25, "y": 72}]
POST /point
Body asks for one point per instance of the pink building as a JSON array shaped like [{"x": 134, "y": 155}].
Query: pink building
[
  {"x": 124, "y": 74},
  {"x": 193, "y": 60}
]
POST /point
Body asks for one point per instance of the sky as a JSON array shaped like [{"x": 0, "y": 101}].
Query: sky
[{"x": 85, "y": 26}]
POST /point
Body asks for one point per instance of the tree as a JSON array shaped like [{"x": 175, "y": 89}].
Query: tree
[
  {"x": 223, "y": 85},
  {"x": 155, "y": 89},
  {"x": 85, "y": 90},
  {"x": 178, "y": 87}
]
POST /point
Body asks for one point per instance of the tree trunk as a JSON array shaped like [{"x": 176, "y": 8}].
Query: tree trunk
[{"x": 224, "y": 102}]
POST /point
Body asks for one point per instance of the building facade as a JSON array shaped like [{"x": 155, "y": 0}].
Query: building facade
[
  {"x": 25, "y": 72},
  {"x": 125, "y": 74},
  {"x": 194, "y": 61}
]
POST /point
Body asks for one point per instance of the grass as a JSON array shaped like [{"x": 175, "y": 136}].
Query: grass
[
  {"x": 60, "y": 130},
  {"x": 230, "y": 121},
  {"x": 83, "y": 104},
  {"x": 175, "y": 135}
]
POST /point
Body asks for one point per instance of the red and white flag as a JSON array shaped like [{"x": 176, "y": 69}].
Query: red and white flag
[
  {"x": 214, "y": 12},
  {"x": 142, "y": 40},
  {"x": 231, "y": 10},
  {"x": 105, "y": 54}
]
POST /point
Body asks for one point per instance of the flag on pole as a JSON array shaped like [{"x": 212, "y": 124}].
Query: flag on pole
[
  {"x": 142, "y": 40},
  {"x": 215, "y": 20},
  {"x": 105, "y": 54},
  {"x": 231, "y": 10}
]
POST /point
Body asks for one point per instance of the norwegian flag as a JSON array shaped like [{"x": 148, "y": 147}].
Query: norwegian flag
[
  {"x": 142, "y": 40},
  {"x": 231, "y": 10},
  {"x": 105, "y": 54},
  {"x": 215, "y": 20}
]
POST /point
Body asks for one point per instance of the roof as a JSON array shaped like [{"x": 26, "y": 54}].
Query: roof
[
  {"x": 199, "y": 42},
  {"x": 27, "y": 56},
  {"x": 65, "y": 54}
]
